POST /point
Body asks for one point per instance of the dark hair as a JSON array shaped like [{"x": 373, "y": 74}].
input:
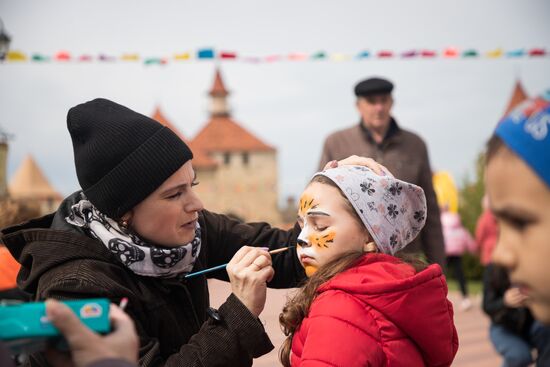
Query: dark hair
[
  {"x": 297, "y": 306},
  {"x": 494, "y": 145}
]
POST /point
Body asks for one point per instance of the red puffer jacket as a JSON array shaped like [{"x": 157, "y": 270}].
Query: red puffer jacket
[{"x": 379, "y": 313}]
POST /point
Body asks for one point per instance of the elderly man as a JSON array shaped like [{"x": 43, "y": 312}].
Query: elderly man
[{"x": 404, "y": 153}]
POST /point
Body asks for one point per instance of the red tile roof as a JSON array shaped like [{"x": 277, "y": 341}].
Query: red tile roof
[
  {"x": 224, "y": 134},
  {"x": 518, "y": 96},
  {"x": 200, "y": 159}
]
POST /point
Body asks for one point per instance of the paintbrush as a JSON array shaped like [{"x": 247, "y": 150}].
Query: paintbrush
[{"x": 272, "y": 252}]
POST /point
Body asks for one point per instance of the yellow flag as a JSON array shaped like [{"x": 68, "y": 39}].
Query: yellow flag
[
  {"x": 130, "y": 57},
  {"x": 445, "y": 190},
  {"x": 16, "y": 56},
  {"x": 496, "y": 53},
  {"x": 182, "y": 56}
]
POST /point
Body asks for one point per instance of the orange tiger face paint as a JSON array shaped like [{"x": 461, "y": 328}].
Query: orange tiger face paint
[
  {"x": 328, "y": 229},
  {"x": 306, "y": 203}
]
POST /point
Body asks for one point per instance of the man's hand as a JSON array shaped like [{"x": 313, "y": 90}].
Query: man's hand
[
  {"x": 87, "y": 346},
  {"x": 360, "y": 161}
]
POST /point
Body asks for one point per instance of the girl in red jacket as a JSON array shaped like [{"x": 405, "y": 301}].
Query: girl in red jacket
[{"x": 362, "y": 306}]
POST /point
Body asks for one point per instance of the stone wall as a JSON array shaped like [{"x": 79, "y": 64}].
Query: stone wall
[{"x": 244, "y": 184}]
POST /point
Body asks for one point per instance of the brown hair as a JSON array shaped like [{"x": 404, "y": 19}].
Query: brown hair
[
  {"x": 297, "y": 306},
  {"x": 494, "y": 145}
]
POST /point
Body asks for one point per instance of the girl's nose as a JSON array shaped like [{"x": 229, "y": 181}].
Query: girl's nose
[{"x": 302, "y": 243}]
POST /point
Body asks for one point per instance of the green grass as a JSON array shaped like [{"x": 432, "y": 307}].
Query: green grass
[{"x": 474, "y": 286}]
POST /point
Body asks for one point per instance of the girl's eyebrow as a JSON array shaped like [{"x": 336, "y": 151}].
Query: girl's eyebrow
[{"x": 311, "y": 213}]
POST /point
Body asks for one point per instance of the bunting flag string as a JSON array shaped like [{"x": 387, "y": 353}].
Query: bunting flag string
[{"x": 205, "y": 54}]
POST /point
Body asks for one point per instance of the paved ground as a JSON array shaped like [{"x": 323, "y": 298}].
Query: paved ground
[{"x": 472, "y": 325}]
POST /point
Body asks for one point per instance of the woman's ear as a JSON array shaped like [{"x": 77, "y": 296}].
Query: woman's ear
[
  {"x": 125, "y": 220},
  {"x": 370, "y": 247}
]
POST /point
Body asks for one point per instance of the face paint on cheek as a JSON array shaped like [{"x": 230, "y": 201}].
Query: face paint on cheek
[
  {"x": 322, "y": 241},
  {"x": 306, "y": 250}
]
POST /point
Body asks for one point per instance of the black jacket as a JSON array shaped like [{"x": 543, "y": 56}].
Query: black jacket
[
  {"x": 495, "y": 283},
  {"x": 60, "y": 261}
]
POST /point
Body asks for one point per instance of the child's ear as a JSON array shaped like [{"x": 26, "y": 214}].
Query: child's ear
[{"x": 370, "y": 247}]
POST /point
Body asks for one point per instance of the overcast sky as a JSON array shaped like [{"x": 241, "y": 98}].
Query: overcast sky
[{"x": 452, "y": 104}]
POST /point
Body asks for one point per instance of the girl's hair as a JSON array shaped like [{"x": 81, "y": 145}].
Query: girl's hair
[{"x": 297, "y": 307}]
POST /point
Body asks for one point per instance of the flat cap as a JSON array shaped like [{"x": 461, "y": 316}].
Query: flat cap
[{"x": 372, "y": 86}]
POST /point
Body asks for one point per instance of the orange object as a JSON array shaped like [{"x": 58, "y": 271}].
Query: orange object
[{"x": 10, "y": 268}]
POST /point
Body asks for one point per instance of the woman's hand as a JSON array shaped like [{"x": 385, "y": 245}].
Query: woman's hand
[
  {"x": 356, "y": 160},
  {"x": 249, "y": 271},
  {"x": 87, "y": 346}
]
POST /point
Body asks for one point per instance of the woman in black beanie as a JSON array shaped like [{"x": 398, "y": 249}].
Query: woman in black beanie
[{"x": 136, "y": 229}]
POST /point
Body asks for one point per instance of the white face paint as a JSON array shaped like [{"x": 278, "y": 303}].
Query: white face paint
[{"x": 308, "y": 250}]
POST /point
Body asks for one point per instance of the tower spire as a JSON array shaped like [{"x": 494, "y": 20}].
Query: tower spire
[{"x": 218, "y": 94}]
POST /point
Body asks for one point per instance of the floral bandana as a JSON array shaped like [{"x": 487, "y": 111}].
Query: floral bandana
[
  {"x": 137, "y": 255},
  {"x": 393, "y": 211}
]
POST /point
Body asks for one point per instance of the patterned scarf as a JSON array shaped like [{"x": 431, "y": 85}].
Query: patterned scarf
[{"x": 137, "y": 255}]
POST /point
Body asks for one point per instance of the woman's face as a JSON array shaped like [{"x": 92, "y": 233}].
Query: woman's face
[
  {"x": 328, "y": 228},
  {"x": 521, "y": 203},
  {"x": 168, "y": 216}
]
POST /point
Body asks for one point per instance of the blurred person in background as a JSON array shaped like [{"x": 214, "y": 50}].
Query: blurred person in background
[
  {"x": 377, "y": 135},
  {"x": 486, "y": 232},
  {"x": 457, "y": 241},
  {"x": 513, "y": 331}
]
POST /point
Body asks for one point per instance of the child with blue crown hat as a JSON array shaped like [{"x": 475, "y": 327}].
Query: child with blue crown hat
[{"x": 518, "y": 186}]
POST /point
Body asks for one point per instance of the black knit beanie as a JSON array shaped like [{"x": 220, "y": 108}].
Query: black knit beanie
[{"x": 121, "y": 156}]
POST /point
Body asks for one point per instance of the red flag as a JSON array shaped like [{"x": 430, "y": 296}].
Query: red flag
[
  {"x": 450, "y": 52},
  {"x": 385, "y": 54},
  {"x": 537, "y": 52},
  {"x": 428, "y": 53},
  {"x": 62, "y": 56},
  {"x": 227, "y": 55}
]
